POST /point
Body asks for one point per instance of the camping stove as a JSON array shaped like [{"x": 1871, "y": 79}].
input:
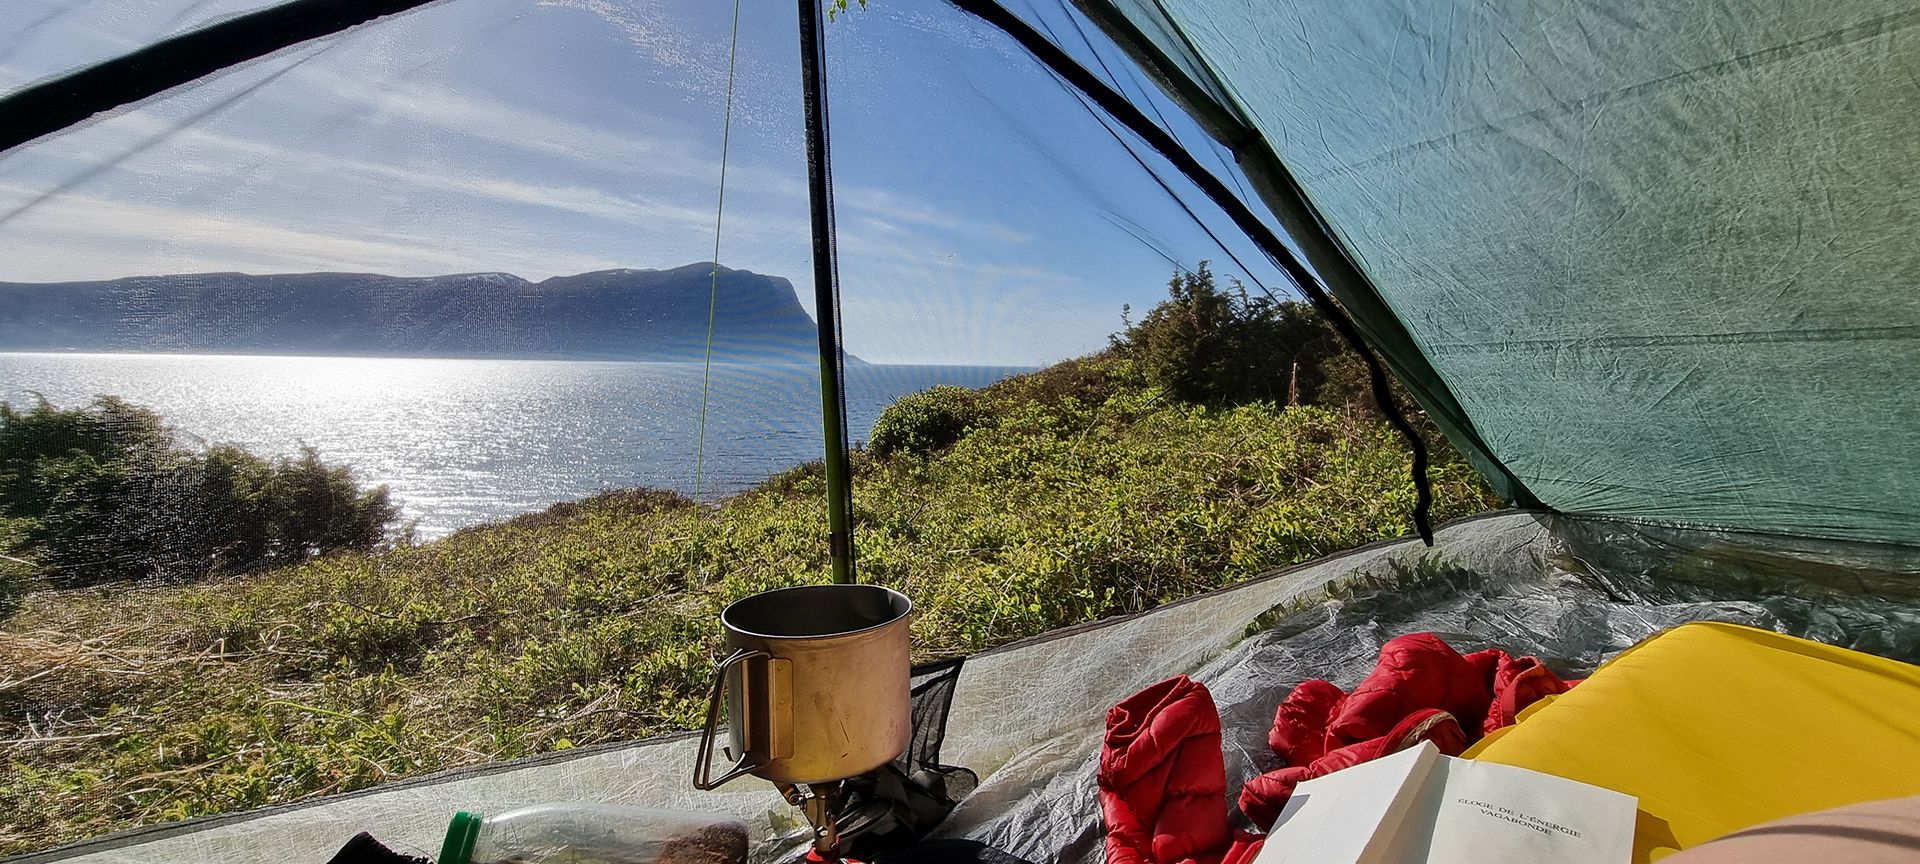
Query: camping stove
[
  {"x": 817, "y": 691},
  {"x": 822, "y": 804}
]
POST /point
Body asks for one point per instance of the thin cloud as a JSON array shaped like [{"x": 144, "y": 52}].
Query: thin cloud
[
  {"x": 697, "y": 64},
  {"x": 124, "y": 238},
  {"x": 217, "y": 154},
  {"x": 888, "y": 205}
]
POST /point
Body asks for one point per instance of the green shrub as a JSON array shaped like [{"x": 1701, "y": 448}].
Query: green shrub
[
  {"x": 1086, "y": 381},
  {"x": 102, "y": 494},
  {"x": 923, "y": 422},
  {"x": 1207, "y": 345},
  {"x": 16, "y": 574}
]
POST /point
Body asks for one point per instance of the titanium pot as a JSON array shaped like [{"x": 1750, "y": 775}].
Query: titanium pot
[{"x": 817, "y": 685}]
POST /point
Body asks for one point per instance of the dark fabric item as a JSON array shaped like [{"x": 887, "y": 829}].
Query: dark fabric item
[
  {"x": 363, "y": 849},
  {"x": 890, "y": 809}
]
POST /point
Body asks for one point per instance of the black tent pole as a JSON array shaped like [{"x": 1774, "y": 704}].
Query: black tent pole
[
  {"x": 47, "y": 107},
  {"x": 826, "y": 290}
]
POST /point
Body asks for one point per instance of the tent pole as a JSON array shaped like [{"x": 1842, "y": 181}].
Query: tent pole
[{"x": 826, "y": 291}]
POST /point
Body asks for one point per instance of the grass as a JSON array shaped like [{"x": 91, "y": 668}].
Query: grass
[{"x": 1073, "y": 494}]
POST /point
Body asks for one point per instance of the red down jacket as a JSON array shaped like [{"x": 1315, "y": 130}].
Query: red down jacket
[
  {"x": 1163, "y": 781},
  {"x": 1421, "y": 689}
]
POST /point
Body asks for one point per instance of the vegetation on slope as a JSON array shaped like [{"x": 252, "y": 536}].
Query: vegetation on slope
[
  {"x": 103, "y": 493},
  {"x": 1082, "y": 491}
]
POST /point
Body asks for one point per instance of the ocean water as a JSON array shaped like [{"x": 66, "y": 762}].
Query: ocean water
[{"x": 460, "y": 442}]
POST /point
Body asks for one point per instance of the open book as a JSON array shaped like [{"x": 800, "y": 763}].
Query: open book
[{"x": 1419, "y": 806}]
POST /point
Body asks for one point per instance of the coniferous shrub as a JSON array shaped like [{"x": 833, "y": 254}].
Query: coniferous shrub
[
  {"x": 1209, "y": 345},
  {"x": 104, "y": 494}
]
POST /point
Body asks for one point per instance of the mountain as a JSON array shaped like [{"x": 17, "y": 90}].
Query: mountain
[{"x": 606, "y": 315}]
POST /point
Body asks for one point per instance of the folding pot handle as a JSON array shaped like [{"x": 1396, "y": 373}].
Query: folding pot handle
[{"x": 703, "y": 761}]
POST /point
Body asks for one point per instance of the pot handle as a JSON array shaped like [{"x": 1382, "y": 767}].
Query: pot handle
[{"x": 703, "y": 761}]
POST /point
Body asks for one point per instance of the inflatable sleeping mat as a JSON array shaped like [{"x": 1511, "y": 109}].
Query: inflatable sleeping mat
[{"x": 1718, "y": 727}]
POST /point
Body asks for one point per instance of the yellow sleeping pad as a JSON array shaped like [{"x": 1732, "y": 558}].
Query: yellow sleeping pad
[{"x": 1717, "y": 727}]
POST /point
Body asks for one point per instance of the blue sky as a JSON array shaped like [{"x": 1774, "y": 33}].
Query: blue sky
[{"x": 984, "y": 216}]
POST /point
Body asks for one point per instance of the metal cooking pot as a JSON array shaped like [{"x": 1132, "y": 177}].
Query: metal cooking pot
[{"x": 817, "y": 684}]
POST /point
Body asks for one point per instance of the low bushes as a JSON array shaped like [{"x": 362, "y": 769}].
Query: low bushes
[
  {"x": 103, "y": 494},
  {"x": 923, "y": 422}
]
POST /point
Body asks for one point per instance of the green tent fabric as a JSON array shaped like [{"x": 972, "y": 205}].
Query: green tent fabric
[{"x": 1659, "y": 253}]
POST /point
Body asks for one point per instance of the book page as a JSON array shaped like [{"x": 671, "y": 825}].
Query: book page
[
  {"x": 1499, "y": 814},
  {"x": 1351, "y": 816}
]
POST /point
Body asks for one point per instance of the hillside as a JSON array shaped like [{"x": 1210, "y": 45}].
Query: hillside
[
  {"x": 658, "y": 315},
  {"x": 1053, "y": 498}
]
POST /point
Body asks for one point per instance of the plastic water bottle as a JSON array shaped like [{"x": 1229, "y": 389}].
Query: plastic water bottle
[{"x": 593, "y": 834}]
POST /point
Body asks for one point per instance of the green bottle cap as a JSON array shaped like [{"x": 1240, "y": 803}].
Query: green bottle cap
[{"x": 461, "y": 834}]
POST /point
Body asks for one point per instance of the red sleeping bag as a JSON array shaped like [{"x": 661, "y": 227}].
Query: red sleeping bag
[
  {"x": 1421, "y": 690},
  {"x": 1163, "y": 780}
]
